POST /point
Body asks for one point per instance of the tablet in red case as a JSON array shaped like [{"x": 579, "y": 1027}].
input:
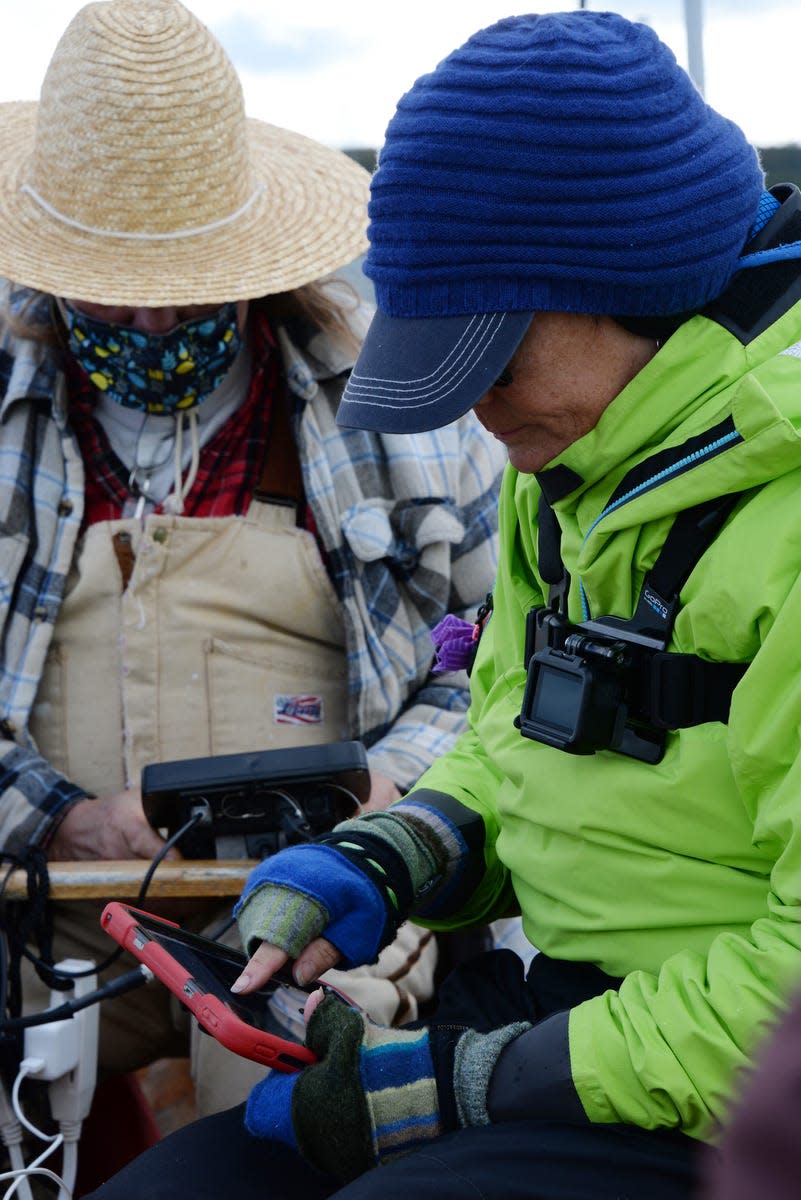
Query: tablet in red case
[{"x": 200, "y": 972}]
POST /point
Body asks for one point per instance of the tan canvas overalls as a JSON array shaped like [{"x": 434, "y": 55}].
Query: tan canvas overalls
[{"x": 182, "y": 637}]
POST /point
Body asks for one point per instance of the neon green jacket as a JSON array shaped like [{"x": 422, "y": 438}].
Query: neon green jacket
[{"x": 684, "y": 877}]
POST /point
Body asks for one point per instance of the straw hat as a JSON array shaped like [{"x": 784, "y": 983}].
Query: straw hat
[{"x": 138, "y": 180}]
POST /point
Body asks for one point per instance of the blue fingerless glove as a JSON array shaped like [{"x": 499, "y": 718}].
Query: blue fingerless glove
[
  {"x": 356, "y": 884},
  {"x": 305, "y": 891}
]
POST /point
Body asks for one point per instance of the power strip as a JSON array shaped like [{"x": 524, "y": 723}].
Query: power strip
[
  {"x": 71, "y": 1093},
  {"x": 63, "y": 1053}
]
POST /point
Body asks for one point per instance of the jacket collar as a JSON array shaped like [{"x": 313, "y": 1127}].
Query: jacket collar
[{"x": 667, "y": 424}]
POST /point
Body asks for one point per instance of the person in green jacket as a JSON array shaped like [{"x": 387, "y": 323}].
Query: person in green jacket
[{"x": 568, "y": 240}]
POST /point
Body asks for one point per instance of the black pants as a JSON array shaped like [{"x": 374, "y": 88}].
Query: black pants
[{"x": 216, "y": 1158}]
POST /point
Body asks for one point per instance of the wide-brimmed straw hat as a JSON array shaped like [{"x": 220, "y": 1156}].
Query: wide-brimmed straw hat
[{"x": 138, "y": 180}]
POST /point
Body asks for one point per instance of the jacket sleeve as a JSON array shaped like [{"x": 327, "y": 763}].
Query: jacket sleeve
[
  {"x": 468, "y": 776},
  {"x": 434, "y": 715},
  {"x": 33, "y": 798},
  {"x": 41, "y": 507}
]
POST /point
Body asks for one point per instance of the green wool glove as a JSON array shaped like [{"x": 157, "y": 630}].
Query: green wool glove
[{"x": 371, "y": 1097}]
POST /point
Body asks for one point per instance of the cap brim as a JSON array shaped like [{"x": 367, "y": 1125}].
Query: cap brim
[{"x": 419, "y": 373}]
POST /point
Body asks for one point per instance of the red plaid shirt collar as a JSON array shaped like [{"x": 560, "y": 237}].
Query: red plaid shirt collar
[{"x": 230, "y": 464}]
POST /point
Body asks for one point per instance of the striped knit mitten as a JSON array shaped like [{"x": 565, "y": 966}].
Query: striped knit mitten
[{"x": 371, "y": 1097}]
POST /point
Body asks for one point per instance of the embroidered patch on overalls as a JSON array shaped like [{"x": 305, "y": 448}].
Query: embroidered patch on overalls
[{"x": 298, "y": 710}]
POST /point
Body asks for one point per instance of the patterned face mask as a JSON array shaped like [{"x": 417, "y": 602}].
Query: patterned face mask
[{"x": 156, "y": 372}]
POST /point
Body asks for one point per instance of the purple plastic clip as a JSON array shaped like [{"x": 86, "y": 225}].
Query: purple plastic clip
[{"x": 454, "y": 644}]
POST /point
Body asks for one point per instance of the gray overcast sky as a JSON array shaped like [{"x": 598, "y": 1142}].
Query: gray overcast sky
[{"x": 334, "y": 71}]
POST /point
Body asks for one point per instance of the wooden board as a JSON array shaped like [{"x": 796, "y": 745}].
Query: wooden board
[{"x": 97, "y": 879}]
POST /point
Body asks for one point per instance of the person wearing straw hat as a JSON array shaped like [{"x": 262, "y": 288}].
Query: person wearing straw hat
[
  {"x": 567, "y": 240},
  {"x": 196, "y": 559}
]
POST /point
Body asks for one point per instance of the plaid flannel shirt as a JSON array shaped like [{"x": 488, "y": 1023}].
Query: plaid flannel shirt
[{"x": 407, "y": 522}]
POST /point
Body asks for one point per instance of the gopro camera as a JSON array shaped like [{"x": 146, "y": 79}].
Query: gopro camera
[
  {"x": 585, "y": 688},
  {"x": 575, "y": 699}
]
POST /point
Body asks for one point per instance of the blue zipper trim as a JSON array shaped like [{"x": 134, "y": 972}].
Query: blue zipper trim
[{"x": 683, "y": 464}]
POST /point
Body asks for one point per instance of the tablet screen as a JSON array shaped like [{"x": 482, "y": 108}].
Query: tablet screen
[{"x": 275, "y": 1008}]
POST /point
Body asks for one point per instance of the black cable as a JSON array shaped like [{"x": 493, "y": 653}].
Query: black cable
[
  {"x": 168, "y": 845},
  {"x": 24, "y": 923},
  {"x": 3, "y": 973},
  {"x": 293, "y": 819},
  {"x": 116, "y": 987},
  {"x": 333, "y": 786},
  {"x": 214, "y": 937},
  {"x": 61, "y": 976},
  {"x": 295, "y": 826}
]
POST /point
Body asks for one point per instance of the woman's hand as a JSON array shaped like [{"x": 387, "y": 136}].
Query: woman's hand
[
  {"x": 304, "y": 890},
  {"x": 314, "y": 959}
]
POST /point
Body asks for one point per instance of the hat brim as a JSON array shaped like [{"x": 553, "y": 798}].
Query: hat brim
[
  {"x": 308, "y": 219},
  {"x": 419, "y": 373}
]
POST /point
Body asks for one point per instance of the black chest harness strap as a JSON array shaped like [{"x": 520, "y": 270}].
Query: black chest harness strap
[{"x": 610, "y": 683}]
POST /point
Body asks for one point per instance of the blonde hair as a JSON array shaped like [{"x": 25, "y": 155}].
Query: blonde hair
[
  {"x": 31, "y": 316},
  {"x": 326, "y": 304}
]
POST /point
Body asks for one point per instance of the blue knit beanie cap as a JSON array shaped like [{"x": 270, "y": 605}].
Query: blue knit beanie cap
[{"x": 562, "y": 162}]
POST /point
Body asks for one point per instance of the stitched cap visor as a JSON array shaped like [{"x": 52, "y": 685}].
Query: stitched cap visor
[{"x": 419, "y": 373}]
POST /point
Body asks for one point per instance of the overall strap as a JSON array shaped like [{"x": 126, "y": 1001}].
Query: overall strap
[{"x": 281, "y": 480}]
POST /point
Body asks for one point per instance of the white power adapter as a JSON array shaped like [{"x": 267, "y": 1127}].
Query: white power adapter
[{"x": 52, "y": 1049}]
